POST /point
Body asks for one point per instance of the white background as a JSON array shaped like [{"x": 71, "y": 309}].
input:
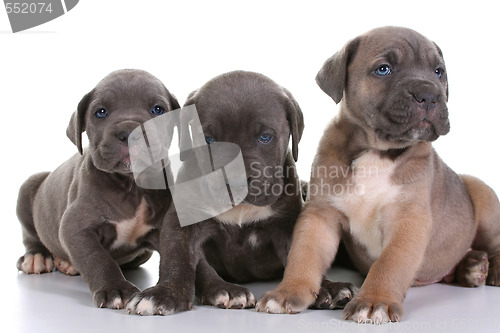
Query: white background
[{"x": 46, "y": 70}]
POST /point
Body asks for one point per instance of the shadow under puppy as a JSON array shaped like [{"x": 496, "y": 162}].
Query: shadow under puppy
[
  {"x": 405, "y": 217},
  {"x": 88, "y": 216},
  {"x": 250, "y": 241}
]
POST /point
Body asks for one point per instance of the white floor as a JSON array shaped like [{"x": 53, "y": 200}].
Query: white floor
[{"x": 58, "y": 303}]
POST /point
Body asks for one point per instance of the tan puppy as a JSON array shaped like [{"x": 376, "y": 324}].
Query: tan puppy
[{"x": 377, "y": 184}]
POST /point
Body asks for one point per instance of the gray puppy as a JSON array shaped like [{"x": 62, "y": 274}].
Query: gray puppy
[
  {"x": 88, "y": 216},
  {"x": 250, "y": 241}
]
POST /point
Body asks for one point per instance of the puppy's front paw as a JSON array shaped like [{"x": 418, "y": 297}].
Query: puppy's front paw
[
  {"x": 334, "y": 295},
  {"x": 115, "y": 296},
  {"x": 373, "y": 310},
  {"x": 227, "y": 296},
  {"x": 473, "y": 269},
  {"x": 159, "y": 300},
  {"x": 35, "y": 263},
  {"x": 287, "y": 299}
]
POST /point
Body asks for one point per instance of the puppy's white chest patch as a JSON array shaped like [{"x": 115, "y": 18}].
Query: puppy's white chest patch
[
  {"x": 128, "y": 231},
  {"x": 365, "y": 199},
  {"x": 253, "y": 240},
  {"x": 245, "y": 213}
]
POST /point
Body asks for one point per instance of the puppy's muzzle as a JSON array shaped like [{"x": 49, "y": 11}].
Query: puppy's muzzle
[
  {"x": 425, "y": 100},
  {"x": 123, "y": 136},
  {"x": 430, "y": 108},
  {"x": 123, "y": 129},
  {"x": 417, "y": 112}
]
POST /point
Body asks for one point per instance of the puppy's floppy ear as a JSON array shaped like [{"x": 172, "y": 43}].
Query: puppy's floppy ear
[
  {"x": 295, "y": 121},
  {"x": 441, "y": 55},
  {"x": 438, "y": 49},
  {"x": 174, "y": 104},
  {"x": 77, "y": 122},
  {"x": 332, "y": 77},
  {"x": 190, "y": 97}
]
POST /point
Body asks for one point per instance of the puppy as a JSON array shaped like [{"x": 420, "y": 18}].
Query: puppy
[
  {"x": 250, "y": 241},
  {"x": 376, "y": 182},
  {"x": 88, "y": 216}
]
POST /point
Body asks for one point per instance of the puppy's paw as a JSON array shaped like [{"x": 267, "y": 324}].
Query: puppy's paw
[
  {"x": 65, "y": 266},
  {"x": 287, "y": 299},
  {"x": 473, "y": 269},
  {"x": 494, "y": 272},
  {"x": 115, "y": 296},
  {"x": 373, "y": 310},
  {"x": 227, "y": 296},
  {"x": 37, "y": 263},
  {"x": 334, "y": 295},
  {"x": 159, "y": 300}
]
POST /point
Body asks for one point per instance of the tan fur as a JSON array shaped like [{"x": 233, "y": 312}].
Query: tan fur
[
  {"x": 245, "y": 213},
  {"x": 301, "y": 283},
  {"x": 487, "y": 220},
  {"x": 413, "y": 219}
]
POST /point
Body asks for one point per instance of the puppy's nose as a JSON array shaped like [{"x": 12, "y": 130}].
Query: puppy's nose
[
  {"x": 123, "y": 136},
  {"x": 426, "y": 100}
]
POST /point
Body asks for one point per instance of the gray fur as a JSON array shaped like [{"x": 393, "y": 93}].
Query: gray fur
[{"x": 74, "y": 213}]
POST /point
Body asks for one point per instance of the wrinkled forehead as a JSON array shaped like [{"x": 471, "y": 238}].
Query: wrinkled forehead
[{"x": 399, "y": 46}]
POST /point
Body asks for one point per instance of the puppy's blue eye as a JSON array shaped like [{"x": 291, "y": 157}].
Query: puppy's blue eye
[
  {"x": 265, "y": 138},
  {"x": 439, "y": 72},
  {"x": 383, "y": 70},
  {"x": 101, "y": 113},
  {"x": 209, "y": 139},
  {"x": 157, "y": 110}
]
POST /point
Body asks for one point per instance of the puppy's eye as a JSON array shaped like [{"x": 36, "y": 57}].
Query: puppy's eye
[
  {"x": 265, "y": 138},
  {"x": 439, "y": 72},
  {"x": 157, "y": 110},
  {"x": 101, "y": 113},
  {"x": 209, "y": 139},
  {"x": 383, "y": 70}
]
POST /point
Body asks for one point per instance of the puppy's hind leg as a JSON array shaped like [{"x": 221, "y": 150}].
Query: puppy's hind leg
[
  {"x": 65, "y": 267},
  {"x": 487, "y": 219},
  {"x": 37, "y": 258}
]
